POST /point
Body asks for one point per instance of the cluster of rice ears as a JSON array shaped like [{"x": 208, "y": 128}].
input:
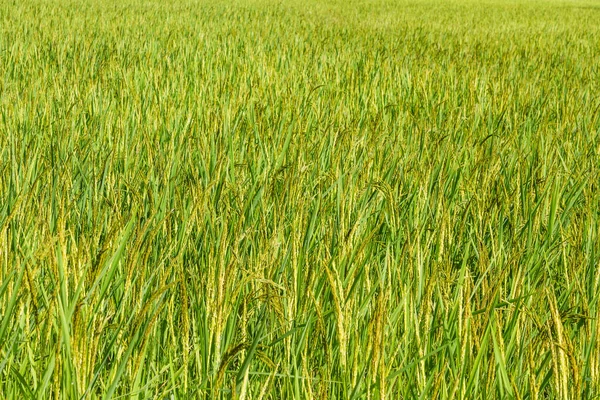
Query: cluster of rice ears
[{"x": 309, "y": 200}]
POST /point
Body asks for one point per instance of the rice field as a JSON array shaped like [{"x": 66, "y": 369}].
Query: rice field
[{"x": 321, "y": 199}]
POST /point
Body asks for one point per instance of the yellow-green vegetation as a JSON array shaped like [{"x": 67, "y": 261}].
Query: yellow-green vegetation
[{"x": 290, "y": 199}]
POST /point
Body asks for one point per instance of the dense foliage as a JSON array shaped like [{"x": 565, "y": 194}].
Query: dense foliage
[{"x": 322, "y": 199}]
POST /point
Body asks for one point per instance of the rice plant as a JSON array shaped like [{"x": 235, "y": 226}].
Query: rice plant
[{"x": 322, "y": 199}]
